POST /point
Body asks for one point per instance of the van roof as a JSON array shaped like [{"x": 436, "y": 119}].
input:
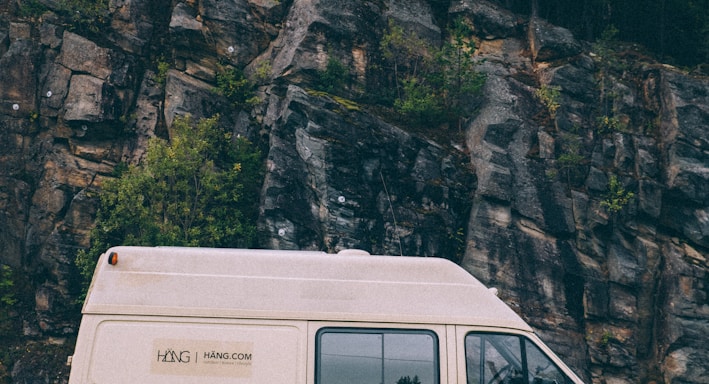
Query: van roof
[{"x": 307, "y": 285}]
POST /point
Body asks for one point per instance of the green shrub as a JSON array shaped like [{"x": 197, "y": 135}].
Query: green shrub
[
  {"x": 433, "y": 85},
  {"x": 550, "y": 97},
  {"x": 606, "y": 338},
  {"x": 263, "y": 71},
  {"x": 617, "y": 197},
  {"x": 334, "y": 78},
  {"x": 7, "y": 292},
  {"x": 455, "y": 73},
  {"x": 610, "y": 124},
  {"x": 239, "y": 90},
  {"x": 32, "y": 8},
  {"x": 199, "y": 189},
  {"x": 570, "y": 160},
  {"x": 419, "y": 103},
  {"x": 571, "y": 156},
  {"x": 161, "y": 75},
  {"x": 88, "y": 15}
]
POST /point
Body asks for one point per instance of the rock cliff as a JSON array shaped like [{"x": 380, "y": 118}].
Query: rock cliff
[{"x": 521, "y": 195}]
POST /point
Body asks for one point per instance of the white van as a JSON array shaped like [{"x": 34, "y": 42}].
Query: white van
[{"x": 197, "y": 315}]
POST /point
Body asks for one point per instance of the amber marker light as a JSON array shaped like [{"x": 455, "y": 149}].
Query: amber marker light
[{"x": 113, "y": 258}]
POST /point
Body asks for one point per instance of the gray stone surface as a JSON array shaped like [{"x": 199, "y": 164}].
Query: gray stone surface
[{"x": 621, "y": 296}]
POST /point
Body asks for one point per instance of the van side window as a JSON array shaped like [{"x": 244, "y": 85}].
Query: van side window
[
  {"x": 508, "y": 359},
  {"x": 374, "y": 356}
]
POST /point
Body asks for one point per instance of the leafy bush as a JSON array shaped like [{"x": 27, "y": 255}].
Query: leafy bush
[
  {"x": 419, "y": 103},
  {"x": 89, "y": 15},
  {"x": 199, "y": 189},
  {"x": 237, "y": 88},
  {"x": 32, "y": 8},
  {"x": 571, "y": 146},
  {"x": 7, "y": 293},
  {"x": 550, "y": 96},
  {"x": 610, "y": 124},
  {"x": 334, "y": 78},
  {"x": 570, "y": 160},
  {"x": 455, "y": 70},
  {"x": 161, "y": 76},
  {"x": 409, "y": 55},
  {"x": 432, "y": 84},
  {"x": 262, "y": 72},
  {"x": 617, "y": 197},
  {"x": 8, "y": 300}
]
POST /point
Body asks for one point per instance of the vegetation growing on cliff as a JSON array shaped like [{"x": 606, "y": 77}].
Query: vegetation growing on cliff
[
  {"x": 80, "y": 15},
  {"x": 236, "y": 87},
  {"x": 32, "y": 8},
  {"x": 7, "y": 296},
  {"x": 433, "y": 85},
  {"x": 87, "y": 14},
  {"x": 618, "y": 197},
  {"x": 550, "y": 96},
  {"x": 334, "y": 78},
  {"x": 198, "y": 189}
]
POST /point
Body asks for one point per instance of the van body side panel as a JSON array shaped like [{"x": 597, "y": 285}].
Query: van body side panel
[
  {"x": 82, "y": 350},
  {"x": 174, "y": 350}
]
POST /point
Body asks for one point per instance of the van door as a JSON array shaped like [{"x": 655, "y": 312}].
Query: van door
[
  {"x": 503, "y": 357},
  {"x": 365, "y": 353}
]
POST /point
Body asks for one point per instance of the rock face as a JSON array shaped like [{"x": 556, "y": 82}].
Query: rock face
[
  {"x": 340, "y": 178},
  {"x": 523, "y": 201}
]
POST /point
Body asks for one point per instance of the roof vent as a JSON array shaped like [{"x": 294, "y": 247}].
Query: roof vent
[{"x": 353, "y": 252}]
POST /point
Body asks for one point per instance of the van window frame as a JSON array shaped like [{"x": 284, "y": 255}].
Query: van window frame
[
  {"x": 380, "y": 331},
  {"x": 523, "y": 346}
]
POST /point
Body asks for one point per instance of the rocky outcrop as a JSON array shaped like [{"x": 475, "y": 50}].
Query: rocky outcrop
[
  {"x": 540, "y": 232},
  {"x": 521, "y": 200},
  {"x": 340, "y": 178}
]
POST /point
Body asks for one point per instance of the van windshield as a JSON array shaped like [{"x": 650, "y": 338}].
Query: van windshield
[
  {"x": 362, "y": 356},
  {"x": 508, "y": 359}
]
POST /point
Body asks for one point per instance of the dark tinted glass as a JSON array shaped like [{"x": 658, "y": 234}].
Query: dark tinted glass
[{"x": 359, "y": 356}]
